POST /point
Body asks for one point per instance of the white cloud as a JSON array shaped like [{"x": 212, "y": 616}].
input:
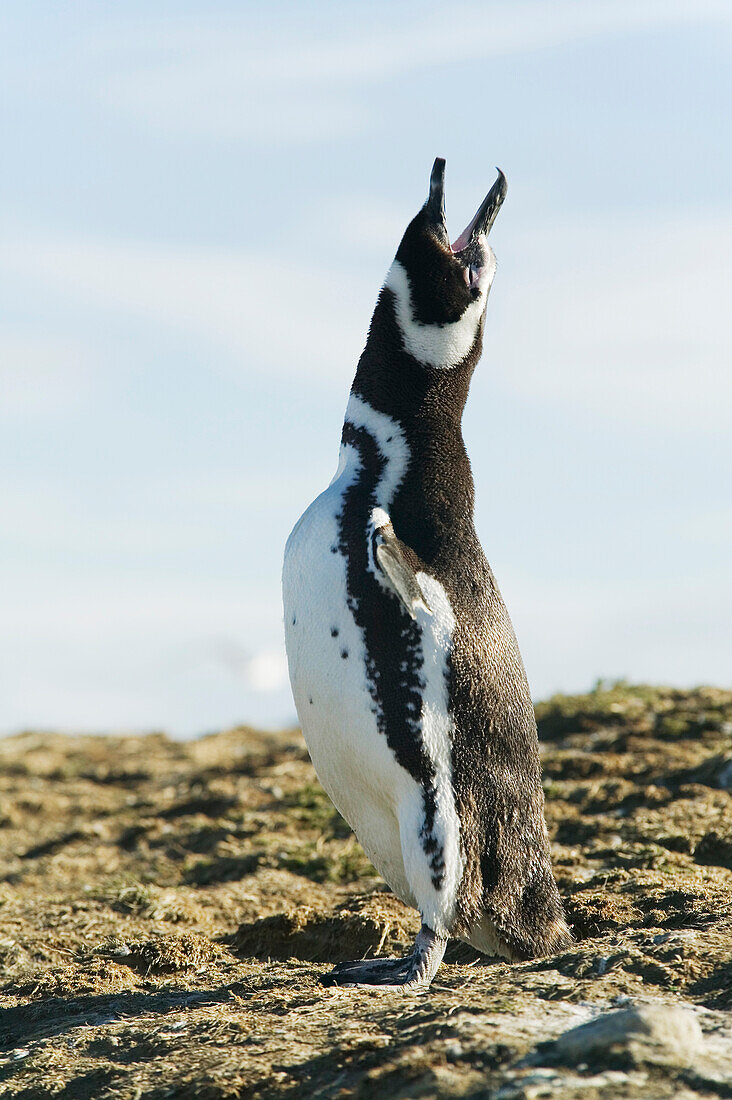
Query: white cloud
[
  {"x": 266, "y": 672},
  {"x": 263, "y": 672},
  {"x": 237, "y": 78},
  {"x": 298, "y": 76},
  {"x": 291, "y": 316},
  {"x": 43, "y": 377}
]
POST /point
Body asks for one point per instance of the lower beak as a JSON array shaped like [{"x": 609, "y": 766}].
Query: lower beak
[{"x": 485, "y": 216}]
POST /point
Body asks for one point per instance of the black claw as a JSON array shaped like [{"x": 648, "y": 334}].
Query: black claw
[{"x": 413, "y": 972}]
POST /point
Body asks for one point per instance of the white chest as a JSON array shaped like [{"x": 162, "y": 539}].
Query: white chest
[
  {"x": 338, "y": 704},
  {"x": 328, "y": 673}
]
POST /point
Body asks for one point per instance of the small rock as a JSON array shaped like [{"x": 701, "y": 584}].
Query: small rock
[
  {"x": 724, "y": 775},
  {"x": 664, "y": 1033},
  {"x": 532, "y": 1086}
]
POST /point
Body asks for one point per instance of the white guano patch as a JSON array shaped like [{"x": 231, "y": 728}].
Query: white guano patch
[{"x": 441, "y": 346}]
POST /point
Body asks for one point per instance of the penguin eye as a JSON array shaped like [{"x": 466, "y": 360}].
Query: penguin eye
[{"x": 471, "y": 274}]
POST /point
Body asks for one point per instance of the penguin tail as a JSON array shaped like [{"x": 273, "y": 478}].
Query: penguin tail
[
  {"x": 557, "y": 937},
  {"x": 523, "y": 924},
  {"x": 496, "y": 936}
]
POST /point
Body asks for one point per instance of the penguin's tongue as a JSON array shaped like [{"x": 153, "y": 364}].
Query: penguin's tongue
[{"x": 464, "y": 238}]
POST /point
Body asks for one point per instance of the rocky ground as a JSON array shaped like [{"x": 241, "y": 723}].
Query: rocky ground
[{"x": 167, "y": 911}]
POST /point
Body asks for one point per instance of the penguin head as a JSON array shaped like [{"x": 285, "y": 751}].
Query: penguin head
[{"x": 440, "y": 289}]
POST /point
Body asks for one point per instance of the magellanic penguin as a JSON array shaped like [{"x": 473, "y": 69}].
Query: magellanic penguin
[{"x": 404, "y": 665}]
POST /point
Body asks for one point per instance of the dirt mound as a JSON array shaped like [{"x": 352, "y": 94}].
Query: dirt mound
[
  {"x": 367, "y": 926},
  {"x": 168, "y": 910}
]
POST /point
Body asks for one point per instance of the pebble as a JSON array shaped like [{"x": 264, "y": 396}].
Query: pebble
[{"x": 666, "y": 1033}]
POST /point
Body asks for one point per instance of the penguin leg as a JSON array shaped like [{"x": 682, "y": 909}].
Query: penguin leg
[{"x": 412, "y": 974}]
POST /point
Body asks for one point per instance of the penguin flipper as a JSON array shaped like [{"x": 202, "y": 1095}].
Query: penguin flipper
[{"x": 401, "y": 577}]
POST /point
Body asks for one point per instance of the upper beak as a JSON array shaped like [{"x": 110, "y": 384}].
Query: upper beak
[
  {"x": 486, "y": 214},
  {"x": 436, "y": 201}
]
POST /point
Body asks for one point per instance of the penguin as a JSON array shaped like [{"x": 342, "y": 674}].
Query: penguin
[{"x": 404, "y": 665}]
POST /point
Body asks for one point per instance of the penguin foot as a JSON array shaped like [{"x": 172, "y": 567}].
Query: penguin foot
[{"x": 412, "y": 974}]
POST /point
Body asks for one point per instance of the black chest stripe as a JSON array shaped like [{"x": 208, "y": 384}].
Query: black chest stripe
[{"x": 394, "y": 657}]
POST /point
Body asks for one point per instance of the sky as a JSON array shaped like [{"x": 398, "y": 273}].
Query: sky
[{"x": 198, "y": 206}]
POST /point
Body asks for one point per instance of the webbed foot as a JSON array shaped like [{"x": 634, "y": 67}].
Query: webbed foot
[{"x": 412, "y": 974}]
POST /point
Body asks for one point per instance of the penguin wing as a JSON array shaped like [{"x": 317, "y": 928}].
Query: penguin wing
[{"x": 390, "y": 559}]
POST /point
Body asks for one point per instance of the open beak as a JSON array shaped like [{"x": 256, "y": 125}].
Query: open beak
[{"x": 485, "y": 215}]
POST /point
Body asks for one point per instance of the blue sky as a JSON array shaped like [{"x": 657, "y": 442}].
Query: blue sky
[{"x": 198, "y": 204}]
